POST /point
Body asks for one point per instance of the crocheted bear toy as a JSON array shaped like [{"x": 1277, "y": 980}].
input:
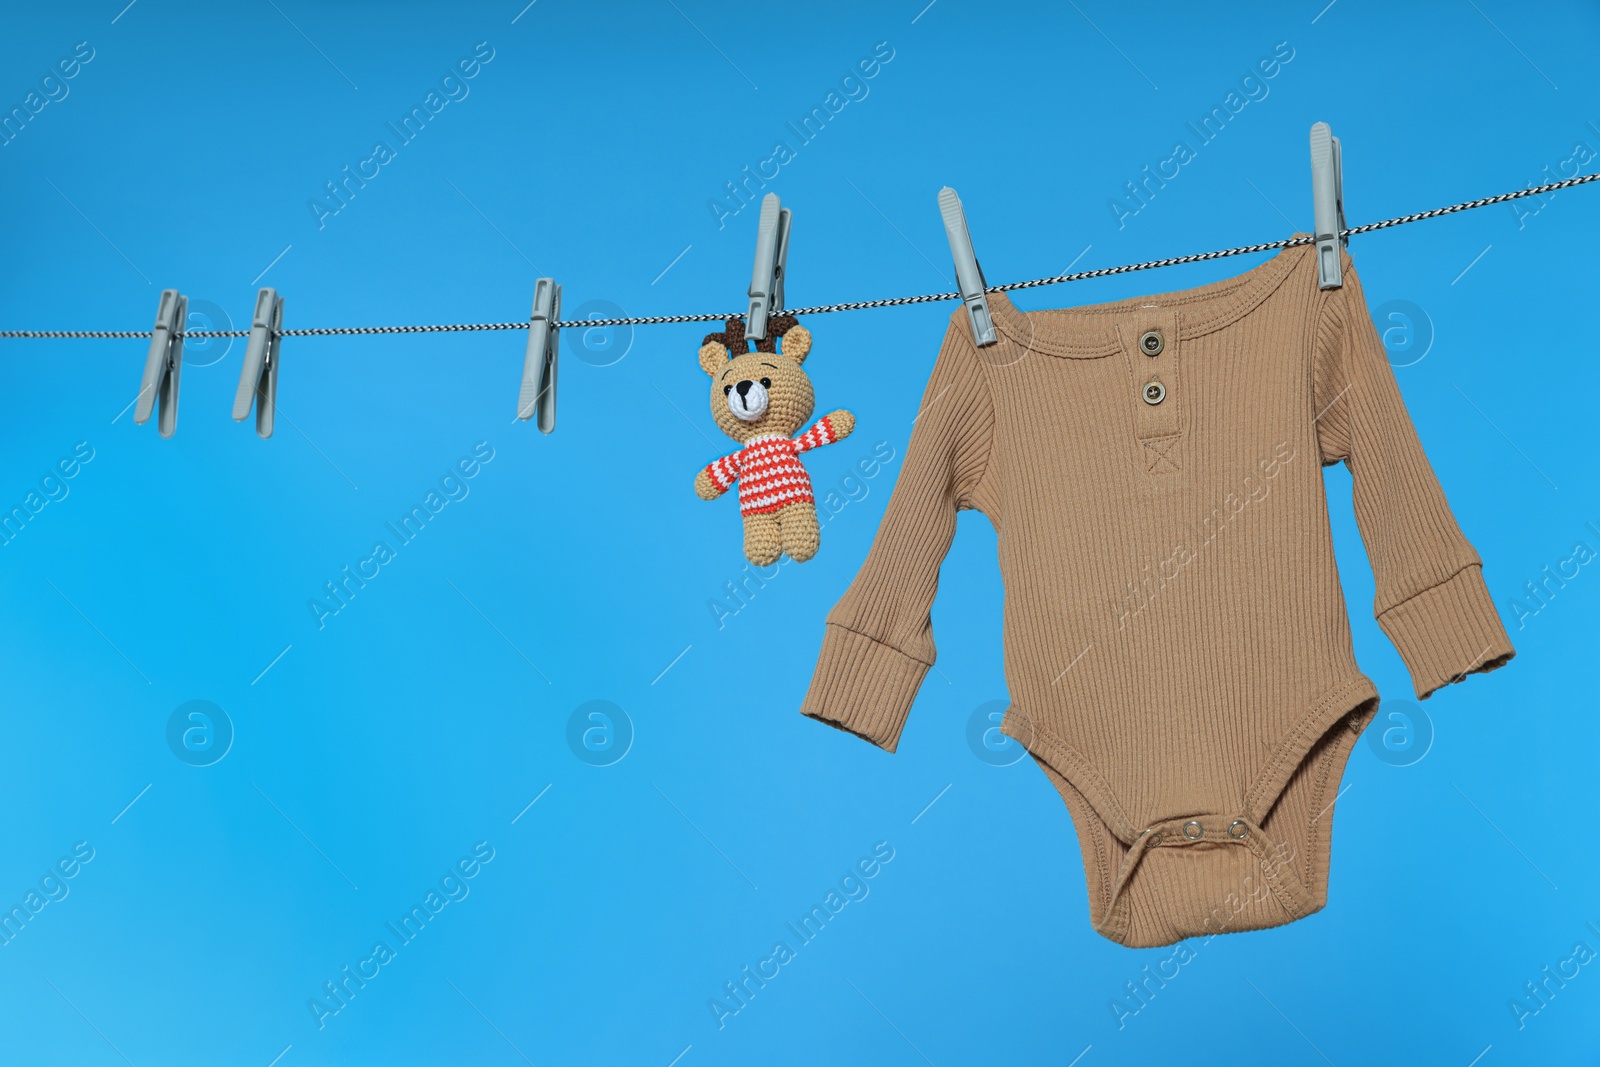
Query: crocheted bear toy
[{"x": 760, "y": 399}]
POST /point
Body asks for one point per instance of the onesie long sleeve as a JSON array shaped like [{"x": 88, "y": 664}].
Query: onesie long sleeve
[
  {"x": 1431, "y": 600},
  {"x": 879, "y": 639},
  {"x": 1177, "y": 649}
]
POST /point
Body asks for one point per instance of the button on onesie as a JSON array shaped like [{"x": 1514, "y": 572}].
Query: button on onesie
[{"x": 1177, "y": 648}]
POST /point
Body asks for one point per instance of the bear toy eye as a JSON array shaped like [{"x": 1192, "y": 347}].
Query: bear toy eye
[
  {"x": 766, "y": 383},
  {"x": 726, "y": 389}
]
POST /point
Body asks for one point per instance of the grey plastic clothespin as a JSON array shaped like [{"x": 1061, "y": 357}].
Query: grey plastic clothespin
[
  {"x": 772, "y": 254},
  {"x": 1327, "y": 191},
  {"x": 163, "y": 364},
  {"x": 969, "y": 276},
  {"x": 539, "y": 363},
  {"x": 258, "y": 382}
]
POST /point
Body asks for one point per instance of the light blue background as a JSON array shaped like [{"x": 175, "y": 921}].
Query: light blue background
[{"x": 430, "y": 711}]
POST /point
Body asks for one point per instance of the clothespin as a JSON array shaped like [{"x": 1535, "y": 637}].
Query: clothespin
[
  {"x": 163, "y": 364},
  {"x": 969, "y": 276},
  {"x": 772, "y": 254},
  {"x": 1327, "y": 191},
  {"x": 539, "y": 363},
  {"x": 258, "y": 382}
]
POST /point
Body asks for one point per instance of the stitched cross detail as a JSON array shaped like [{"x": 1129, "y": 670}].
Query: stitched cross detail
[{"x": 1159, "y": 452}]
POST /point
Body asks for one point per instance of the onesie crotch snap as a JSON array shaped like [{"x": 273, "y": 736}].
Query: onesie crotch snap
[{"x": 1211, "y": 873}]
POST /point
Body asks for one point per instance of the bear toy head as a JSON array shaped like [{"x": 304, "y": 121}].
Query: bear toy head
[{"x": 760, "y": 392}]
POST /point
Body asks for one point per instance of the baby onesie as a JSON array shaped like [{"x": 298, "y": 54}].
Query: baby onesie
[{"x": 1176, "y": 645}]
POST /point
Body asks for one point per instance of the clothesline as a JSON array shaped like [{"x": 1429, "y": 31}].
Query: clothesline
[{"x": 859, "y": 305}]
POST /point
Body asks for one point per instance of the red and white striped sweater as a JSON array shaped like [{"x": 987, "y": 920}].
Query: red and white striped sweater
[{"x": 769, "y": 471}]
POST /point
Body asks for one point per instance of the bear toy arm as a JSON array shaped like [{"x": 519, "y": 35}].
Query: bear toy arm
[
  {"x": 704, "y": 487},
  {"x": 717, "y": 478},
  {"x": 826, "y": 430}
]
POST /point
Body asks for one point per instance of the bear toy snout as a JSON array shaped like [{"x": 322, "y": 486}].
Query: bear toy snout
[{"x": 748, "y": 400}]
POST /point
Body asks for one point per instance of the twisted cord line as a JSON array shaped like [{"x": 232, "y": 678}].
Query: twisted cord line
[{"x": 823, "y": 309}]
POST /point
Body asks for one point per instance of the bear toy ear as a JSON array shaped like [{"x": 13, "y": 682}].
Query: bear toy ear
[
  {"x": 712, "y": 358},
  {"x": 797, "y": 343}
]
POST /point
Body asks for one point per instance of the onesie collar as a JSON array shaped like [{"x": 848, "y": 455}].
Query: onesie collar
[{"x": 1091, "y": 330}]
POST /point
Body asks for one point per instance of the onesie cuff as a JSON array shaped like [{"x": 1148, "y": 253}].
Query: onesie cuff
[
  {"x": 863, "y": 686},
  {"x": 1448, "y": 632}
]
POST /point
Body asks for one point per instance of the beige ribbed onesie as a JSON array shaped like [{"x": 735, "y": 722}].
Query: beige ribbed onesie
[{"x": 1176, "y": 645}]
